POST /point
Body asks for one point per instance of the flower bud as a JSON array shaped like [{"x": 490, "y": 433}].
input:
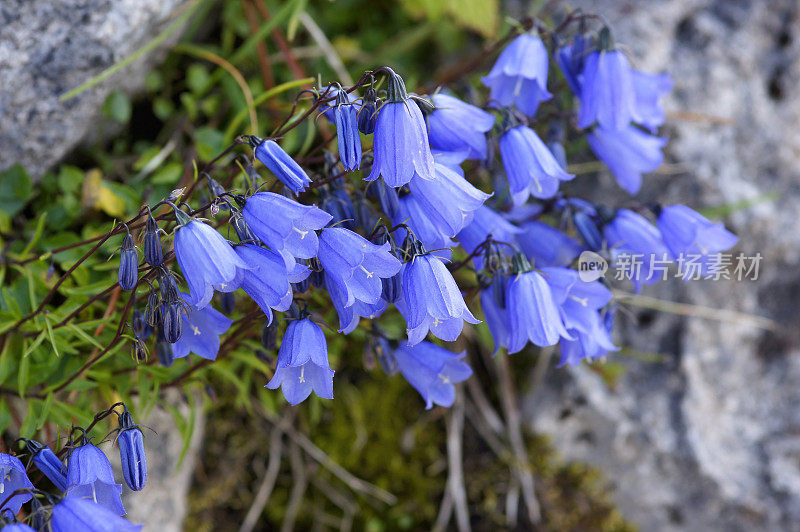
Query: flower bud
[
  {"x": 128, "y": 264},
  {"x": 153, "y": 254},
  {"x": 269, "y": 336},
  {"x": 368, "y": 114},
  {"x": 171, "y": 321},
  {"x": 391, "y": 288},
  {"x": 131, "y": 452},
  {"x": 227, "y": 302},
  {"x": 164, "y": 351},
  {"x": 588, "y": 230},
  {"x": 48, "y": 463}
]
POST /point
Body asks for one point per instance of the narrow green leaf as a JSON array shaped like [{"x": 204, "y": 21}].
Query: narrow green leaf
[
  {"x": 45, "y": 411},
  {"x": 80, "y": 332},
  {"x": 22, "y": 376},
  {"x": 51, "y": 335},
  {"x": 36, "y": 235}
]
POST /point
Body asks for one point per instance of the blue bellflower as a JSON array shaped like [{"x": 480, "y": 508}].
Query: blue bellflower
[
  {"x": 412, "y": 213},
  {"x": 355, "y": 264},
  {"x": 48, "y": 463},
  {"x": 649, "y": 88},
  {"x": 74, "y": 513},
  {"x": 201, "y": 331},
  {"x": 13, "y": 478},
  {"x": 128, "y": 264},
  {"x": 330, "y": 107},
  {"x": 456, "y": 126},
  {"x": 630, "y": 235},
  {"x": 131, "y": 452},
  {"x": 432, "y": 301},
  {"x": 530, "y": 167},
  {"x": 303, "y": 363},
  {"x": 448, "y": 201},
  {"x": 571, "y": 59},
  {"x": 485, "y": 222},
  {"x": 589, "y": 345},
  {"x": 451, "y": 159},
  {"x": 207, "y": 261},
  {"x": 349, "y": 316},
  {"x": 628, "y": 152},
  {"x": 544, "y": 245},
  {"x": 433, "y": 371},
  {"x": 89, "y": 476},
  {"x": 494, "y": 311},
  {"x": 268, "y": 282},
  {"x": 285, "y": 225},
  {"x": 687, "y": 232},
  {"x": 400, "y": 148},
  {"x": 519, "y": 76},
  {"x": 533, "y": 314},
  {"x": 607, "y": 93},
  {"x": 578, "y": 300},
  {"x": 345, "y": 117},
  {"x": 282, "y": 165}
]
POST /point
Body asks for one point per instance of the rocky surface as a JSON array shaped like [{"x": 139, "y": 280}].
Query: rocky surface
[
  {"x": 48, "y": 47},
  {"x": 706, "y": 436}
]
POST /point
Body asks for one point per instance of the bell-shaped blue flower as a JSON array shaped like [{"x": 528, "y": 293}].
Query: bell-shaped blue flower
[
  {"x": 579, "y": 300},
  {"x": 349, "y": 316},
  {"x": 494, "y": 311},
  {"x": 284, "y": 225},
  {"x": 334, "y": 92},
  {"x": 303, "y": 363},
  {"x": 74, "y": 513},
  {"x": 530, "y": 167},
  {"x": 628, "y": 153},
  {"x": 519, "y": 76},
  {"x": 400, "y": 148},
  {"x": 544, "y": 245},
  {"x": 268, "y": 282},
  {"x": 201, "y": 331},
  {"x": 131, "y": 452},
  {"x": 589, "y": 345},
  {"x": 356, "y": 264},
  {"x": 686, "y": 232},
  {"x": 411, "y": 213},
  {"x": 207, "y": 261},
  {"x": 649, "y": 89},
  {"x": 631, "y": 235},
  {"x": 13, "y": 478},
  {"x": 432, "y": 301},
  {"x": 128, "y": 264},
  {"x": 455, "y": 126},
  {"x": 533, "y": 314},
  {"x": 345, "y": 117},
  {"x": 89, "y": 476},
  {"x": 281, "y": 164},
  {"x": 48, "y": 463},
  {"x": 485, "y": 222},
  {"x": 571, "y": 59},
  {"x": 607, "y": 93},
  {"x": 449, "y": 200},
  {"x": 433, "y": 371},
  {"x": 451, "y": 159}
]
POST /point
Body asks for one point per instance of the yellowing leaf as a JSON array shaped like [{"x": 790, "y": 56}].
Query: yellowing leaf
[{"x": 98, "y": 195}]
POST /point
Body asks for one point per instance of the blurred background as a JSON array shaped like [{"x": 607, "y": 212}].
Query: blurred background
[{"x": 692, "y": 426}]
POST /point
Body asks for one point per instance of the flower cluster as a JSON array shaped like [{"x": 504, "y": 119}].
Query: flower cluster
[
  {"x": 443, "y": 179},
  {"x": 82, "y": 493}
]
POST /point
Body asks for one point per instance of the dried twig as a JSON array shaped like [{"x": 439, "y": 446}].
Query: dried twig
[
  {"x": 265, "y": 489},
  {"x": 299, "y": 485},
  {"x": 455, "y": 462}
]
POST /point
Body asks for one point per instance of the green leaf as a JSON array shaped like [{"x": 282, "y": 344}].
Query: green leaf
[
  {"x": 15, "y": 190},
  {"x": 36, "y": 235},
  {"x": 45, "y": 411},
  {"x": 29, "y": 425},
  {"x": 118, "y": 106},
  {"x": 22, "y": 376},
  {"x": 51, "y": 335},
  {"x": 209, "y": 142}
]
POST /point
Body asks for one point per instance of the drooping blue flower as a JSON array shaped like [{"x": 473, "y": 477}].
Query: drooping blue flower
[
  {"x": 432, "y": 300},
  {"x": 433, "y": 371},
  {"x": 89, "y": 476},
  {"x": 591, "y": 345},
  {"x": 153, "y": 253},
  {"x": 494, "y": 311},
  {"x": 281, "y": 164},
  {"x": 284, "y": 225},
  {"x": 207, "y": 261},
  {"x": 686, "y": 232},
  {"x": 533, "y": 314},
  {"x": 586, "y": 226},
  {"x": 131, "y": 452},
  {"x": 544, "y": 245},
  {"x": 201, "y": 331},
  {"x": 571, "y": 59},
  {"x": 649, "y": 88},
  {"x": 48, "y": 463},
  {"x": 628, "y": 152},
  {"x": 345, "y": 117},
  {"x": 519, "y": 76},
  {"x": 457, "y": 126},
  {"x": 74, "y": 513},
  {"x": 631, "y": 238},
  {"x": 607, "y": 93},
  {"x": 400, "y": 148},
  {"x": 13, "y": 478},
  {"x": 349, "y": 316},
  {"x": 448, "y": 201},
  {"x": 303, "y": 363},
  {"x": 411, "y": 213},
  {"x": 334, "y": 92},
  {"x": 128, "y": 264},
  {"x": 268, "y": 282},
  {"x": 530, "y": 167},
  {"x": 451, "y": 159},
  {"x": 485, "y": 222},
  {"x": 578, "y": 300},
  {"x": 356, "y": 264}
]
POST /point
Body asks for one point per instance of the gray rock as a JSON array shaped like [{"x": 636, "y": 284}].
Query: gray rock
[
  {"x": 48, "y": 47},
  {"x": 708, "y": 438}
]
